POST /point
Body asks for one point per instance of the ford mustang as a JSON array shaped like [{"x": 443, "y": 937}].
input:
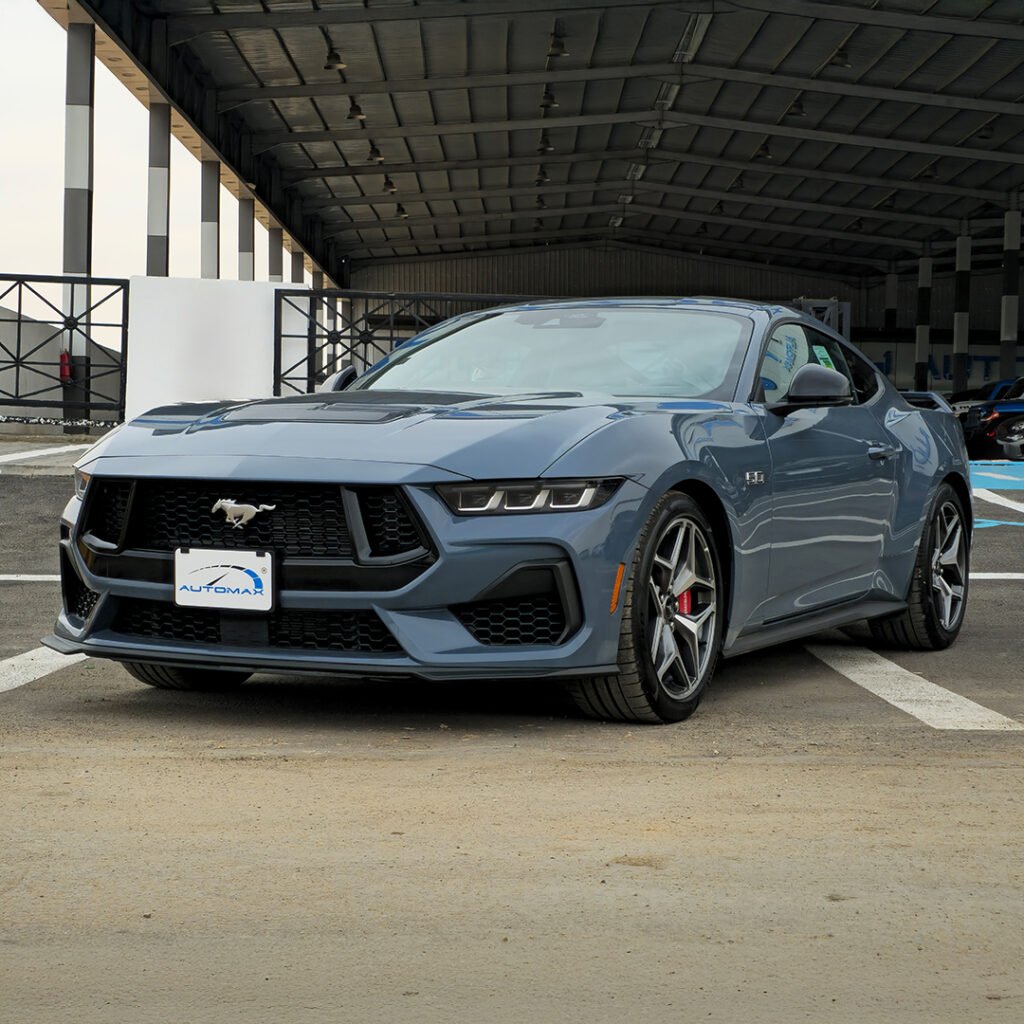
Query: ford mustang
[{"x": 614, "y": 493}]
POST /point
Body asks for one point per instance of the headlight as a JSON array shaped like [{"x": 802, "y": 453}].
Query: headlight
[
  {"x": 505, "y": 497},
  {"x": 81, "y": 482}
]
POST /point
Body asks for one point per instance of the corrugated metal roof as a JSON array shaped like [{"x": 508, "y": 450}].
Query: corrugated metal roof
[{"x": 790, "y": 91}]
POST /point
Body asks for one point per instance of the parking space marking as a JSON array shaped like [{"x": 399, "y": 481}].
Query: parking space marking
[
  {"x": 997, "y": 499},
  {"x": 934, "y": 705},
  {"x": 32, "y": 665},
  {"x": 997, "y": 576},
  {"x": 28, "y": 577},
  {"x": 37, "y": 453}
]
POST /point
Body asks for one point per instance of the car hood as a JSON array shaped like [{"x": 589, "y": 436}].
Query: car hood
[{"x": 513, "y": 436}]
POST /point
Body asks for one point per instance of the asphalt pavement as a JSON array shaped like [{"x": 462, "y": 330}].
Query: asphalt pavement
[{"x": 808, "y": 846}]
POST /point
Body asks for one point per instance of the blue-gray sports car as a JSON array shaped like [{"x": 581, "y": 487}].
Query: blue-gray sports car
[{"x": 611, "y": 492}]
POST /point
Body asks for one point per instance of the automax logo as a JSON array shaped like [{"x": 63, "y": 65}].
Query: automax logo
[{"x": 236, "y": 580}]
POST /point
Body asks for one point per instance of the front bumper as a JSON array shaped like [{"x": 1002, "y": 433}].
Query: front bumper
[{"x": 472, "y": 556}]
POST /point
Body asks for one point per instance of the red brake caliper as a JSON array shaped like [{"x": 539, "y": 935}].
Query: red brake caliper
[{"x": 686, "y": 602}]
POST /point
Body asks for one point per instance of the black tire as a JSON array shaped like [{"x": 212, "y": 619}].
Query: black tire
[
  {"x": 164, "y": 677},
  {"x": 637, "y": 693},
  {"x": 921, "y": 627}
]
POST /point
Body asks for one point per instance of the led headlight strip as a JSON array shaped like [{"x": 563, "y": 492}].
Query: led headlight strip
[{"x": 505, "y": 497}]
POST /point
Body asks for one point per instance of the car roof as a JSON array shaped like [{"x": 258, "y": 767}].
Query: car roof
[{"x": 710, "y": 302}]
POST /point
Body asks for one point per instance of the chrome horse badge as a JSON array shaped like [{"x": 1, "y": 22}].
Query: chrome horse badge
[{"x": 238, "y": 515}]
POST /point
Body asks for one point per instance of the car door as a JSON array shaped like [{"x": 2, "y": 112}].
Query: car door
[{"x": 832, "y": 481}]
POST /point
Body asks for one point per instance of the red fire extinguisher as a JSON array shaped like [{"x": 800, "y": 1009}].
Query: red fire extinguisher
[{"x": 65, "y": 367}]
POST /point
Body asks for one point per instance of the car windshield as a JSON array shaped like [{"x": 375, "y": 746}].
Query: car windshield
[
  {"x": 615, "y": 350},
  {"x": 1016, "y": 390}
]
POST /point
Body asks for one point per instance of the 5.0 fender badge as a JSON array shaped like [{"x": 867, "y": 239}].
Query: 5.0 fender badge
[
  {"x": 238, "y": 515},
  {"x": 754, "y": 477}
]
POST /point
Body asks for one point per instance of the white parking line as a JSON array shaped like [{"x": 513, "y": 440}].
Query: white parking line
[
  {"x": 28, "y": 577},
  {"x": 997, "y": 499},
  {"x": 934, "y": 705},
  {"x": 24, "y": 668},
  {"x": 997, "y": 575},
  {"x": 38, "y": 453}
]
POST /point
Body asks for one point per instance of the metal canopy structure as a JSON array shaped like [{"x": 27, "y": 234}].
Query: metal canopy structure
[{"x": 852, "y": 134}]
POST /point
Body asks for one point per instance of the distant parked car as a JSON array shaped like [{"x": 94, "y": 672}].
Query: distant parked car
[
  {"x": 1010, "y": 437},
  {"x": 983, "y": 422},
  {"x": 963, "y": 401}
]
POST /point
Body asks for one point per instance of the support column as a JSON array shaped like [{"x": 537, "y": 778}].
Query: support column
[
  {"x": 922, "y": 339},
  {"x": 1009, "y": 315},
  {"x": 246, "y": 239},
  {"x": 961, "y": 308},
  {"x": 298, "y": 266},
  {"x": 78, "y": 147},
  {"x": 158, "y": 217},
  {"x": 78, "y": 182},
  {"x": 209, "y": 202},
  {"x": 892, "y": 282},
  {"x": 275, "y": 254}
]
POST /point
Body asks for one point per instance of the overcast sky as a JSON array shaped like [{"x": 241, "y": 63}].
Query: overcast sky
[{"x": 32, "y": 56}]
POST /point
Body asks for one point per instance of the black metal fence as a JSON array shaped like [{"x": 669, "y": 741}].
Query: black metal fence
[
  {"x": 63, "y": 350},
  {"x": 317, "y": 333}
]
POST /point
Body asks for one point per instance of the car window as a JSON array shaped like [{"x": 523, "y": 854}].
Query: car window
[
  {"x": 791, "y": 346},
  {"x": 1016, "y": 390},
  {"x": 863, "y": 374}
]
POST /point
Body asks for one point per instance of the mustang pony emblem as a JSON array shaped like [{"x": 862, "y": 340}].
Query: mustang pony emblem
[{"x": 238, "y": 515}]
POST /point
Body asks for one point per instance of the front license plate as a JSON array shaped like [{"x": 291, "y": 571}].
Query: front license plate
[{"x": 238, "y": 580}]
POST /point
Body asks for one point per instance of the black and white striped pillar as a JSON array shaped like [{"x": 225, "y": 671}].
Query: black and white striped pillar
[
  {"x": 275, "y": 254},
  {"x": 78, "y": 148},
  {"x": 961, "y": 308},
  {"x": 1009, "y": 314},
  {"x": 209, "y": 212},
  {"x": 246, "y": 239},
  {"x": 892, "y": 285},
  {"x": 298, "y": 266},
  {"x": 923, "y": 331},
  {"x": 159, "y": 205}
]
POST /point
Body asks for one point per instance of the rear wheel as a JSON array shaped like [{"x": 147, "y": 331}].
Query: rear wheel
[
  {"x": 164, "y": 677},
  {"x": 672, "y": 620},
  {"x": 938, "y": 589}
]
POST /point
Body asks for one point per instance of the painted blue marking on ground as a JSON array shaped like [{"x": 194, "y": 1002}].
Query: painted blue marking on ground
[
  {"x": 980, "y": 524},
  {"x": 998, "y": 475}
]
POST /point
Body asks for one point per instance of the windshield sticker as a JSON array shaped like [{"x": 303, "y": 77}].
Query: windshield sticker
[{"x": 823, "y": 357}]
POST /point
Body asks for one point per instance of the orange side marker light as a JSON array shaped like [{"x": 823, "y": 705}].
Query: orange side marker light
[{"x": 617, "y": 587}]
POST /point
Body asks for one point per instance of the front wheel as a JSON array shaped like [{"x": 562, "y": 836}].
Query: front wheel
[
  {"x": 672, "y": 621},
  {"x": 938, "y": 590},
  {"x": 166, "y": 677}
]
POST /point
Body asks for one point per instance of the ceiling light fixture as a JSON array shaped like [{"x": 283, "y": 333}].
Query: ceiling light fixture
[
  {"x": 716, "y": 209},
  {"x": 650, "y": 137},
  {"x": 691, "y": 38},
  {"x": 557, "y": 48},
  {"x": 737, "y": 184},
  {"x": 547, "y": 101},
  {"x": 541, "y": 205},
  {"x": 376, "y": 156},
  {"x": 667, "y": 96},
  {"x": 985, "y": 132},
  {"x": 702, "y": 228},
  {"x": 840, "y": 59},
  {"x": 615, "y": 221},
  {"x": 928, "y": 173},
  {"x": 763, "y": 152},
  {"x": 333, "y": 61},
  {"x": 542, "y": 177},
  {"x": 355, "y": 112},
  {"x": 545, "y": 144},
  {"x": 796, "y": 109},
  {"x": 538, "y": 224},
  {"x": 625, "y": 198},
  {"x": 389, "y": 185},
  {"x": 636, "y": 172},
  {"x": 401, "y": 211}
]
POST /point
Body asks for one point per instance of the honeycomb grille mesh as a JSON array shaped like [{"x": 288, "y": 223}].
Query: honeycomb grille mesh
[
  {"x": 389, "y": 526},
  {"x": 79, "y": 600},
  {"x": 308, "y": 520},
  {"x": 516, "y": 621},
  {"x": 108, "y": 507}
]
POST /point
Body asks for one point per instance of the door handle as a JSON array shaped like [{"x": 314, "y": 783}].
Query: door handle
[{"x": 881, "y": 452}]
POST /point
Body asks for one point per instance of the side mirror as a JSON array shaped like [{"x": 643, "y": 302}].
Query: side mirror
[
  {"x": 339, "y": 381},
  {"x": 814, "y": 386}
]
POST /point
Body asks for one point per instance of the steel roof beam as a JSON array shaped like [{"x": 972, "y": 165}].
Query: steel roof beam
[
  {"x": 231, "y": 98},
  {"x": 636, "y": 189},
  {"x": 603, "y": 232},
  {"x": 659, "y": 155},
  {"x": 634, "y": 210},
  {"x": 263, "y": 141},
  {"x": 183, "y": 27}
]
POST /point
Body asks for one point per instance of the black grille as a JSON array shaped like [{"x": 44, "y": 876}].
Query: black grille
[
  {"x": 514, "y": 621},
  {"x": 307, "y": 519},
  {"x": 108, "y": 506},
  {"x": 302, "y": 629},
  {"x": 79, "y": 600},
  {"x": 156, "y": 620},
  {"x": 359, "y": 631},
  {"x": 390, "y": 529}
]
